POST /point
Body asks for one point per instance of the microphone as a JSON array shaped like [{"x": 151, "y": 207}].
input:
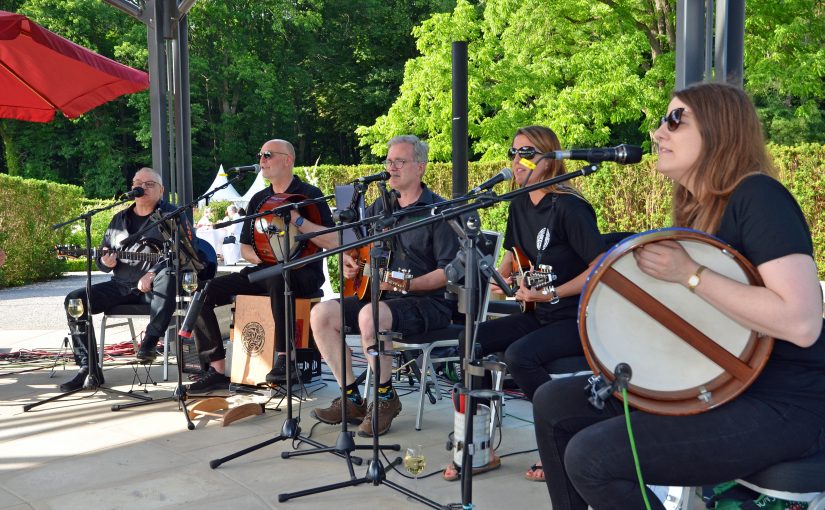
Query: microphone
[
  {"x": 137, "y": 192},
  {"x": 504, "y": 175},
  {"x": 380, "y": 176},
  {"x": 623, "y": 154},
  {"x": 245, "y": 169},
  {"x": 192, "y": 314}
]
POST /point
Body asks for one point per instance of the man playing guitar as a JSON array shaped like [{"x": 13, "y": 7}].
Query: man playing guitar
[
  {"x": 135, "y": 279},
  {"x": 424, "y": 252}
]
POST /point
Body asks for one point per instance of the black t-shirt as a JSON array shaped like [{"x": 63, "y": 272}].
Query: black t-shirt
[
  {"x": 296, "y": 187},
  {"x": 421, "y": 250},
  {"x": 763, "y": 222},
  {"x": 574, "y": 242}
]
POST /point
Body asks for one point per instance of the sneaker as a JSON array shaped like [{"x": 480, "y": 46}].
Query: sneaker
[
  {"x": 332, "y": 414},
  {"x": 387, "y": 410},
  {"x": 211, "y": 382},
  {"x": 77, "y": 382},
  {"x": 147, "y": 352},
  {"x": 278, "y": 373}
]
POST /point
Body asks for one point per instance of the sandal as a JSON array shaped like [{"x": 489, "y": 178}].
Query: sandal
[
  {"x": 453, "y": 472},
  {"x": 535, "y": 473}
]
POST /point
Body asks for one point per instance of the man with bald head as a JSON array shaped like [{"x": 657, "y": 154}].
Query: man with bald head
[
  {"x": 133, "y": 281},
  {"x": 277, "y": 159}
]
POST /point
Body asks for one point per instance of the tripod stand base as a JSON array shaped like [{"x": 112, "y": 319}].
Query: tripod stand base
[
  {"x": 376, "y": 475},
  {"x": 91, "y": 385},
  {"x": 178, "y": 395}
]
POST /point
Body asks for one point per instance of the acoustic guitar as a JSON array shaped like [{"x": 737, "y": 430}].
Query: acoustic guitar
[
  {"x": 359, "y": 285},
  {"x": 534, "y": 278}
]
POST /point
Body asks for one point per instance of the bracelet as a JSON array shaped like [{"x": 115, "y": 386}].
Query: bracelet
[{"x": 554, "y": 295}]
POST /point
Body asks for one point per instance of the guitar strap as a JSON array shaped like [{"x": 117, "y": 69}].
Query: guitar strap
[{"x": 543, "y": 242}]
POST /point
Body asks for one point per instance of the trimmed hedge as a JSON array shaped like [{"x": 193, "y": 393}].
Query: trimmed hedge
[
  {"x": 28, "y": 209},
  {"x": 631, "y": 198}
]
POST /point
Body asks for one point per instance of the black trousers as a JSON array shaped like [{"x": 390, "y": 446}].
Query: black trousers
[
  {"x": 207, "y": 331},
  {"x": 106, "y": 295},
  {"x": 529, "y": 346},
  {"x": 587, "y": 457}
]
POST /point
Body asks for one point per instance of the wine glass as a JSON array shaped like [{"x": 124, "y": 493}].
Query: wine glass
[
  {"x": 189, "y": 281},
  {"x": 414, "y": 462},
  {"x": 75, "y": 307}
]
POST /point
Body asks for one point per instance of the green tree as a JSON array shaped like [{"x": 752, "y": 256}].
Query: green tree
[
  {"x": 598, "y": 72},
  {"x": 98, "y": 151}
]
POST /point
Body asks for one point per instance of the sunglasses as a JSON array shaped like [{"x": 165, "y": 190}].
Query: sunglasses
[
  {"x": 673, "y": 119},
  {"x": 269, "y": 154},
  {"x": 525, "y": 152}
]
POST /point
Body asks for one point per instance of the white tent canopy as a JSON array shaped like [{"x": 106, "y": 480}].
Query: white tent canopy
[
  {"x": 228, "y": 193},
  {"x": 257, "y": 186}
]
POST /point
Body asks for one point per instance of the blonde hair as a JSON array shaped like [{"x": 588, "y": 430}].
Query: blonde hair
[{"x": 733, "y": 147}]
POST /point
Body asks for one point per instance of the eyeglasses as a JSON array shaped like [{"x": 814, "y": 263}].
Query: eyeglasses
[
  {"x": 673, "y": 119},
  {"x": 397, "y": 163},
  {"x": 144, "y": 184},
  {"x": 525, "y": 152},
  {"x": 269, "y": 154}
]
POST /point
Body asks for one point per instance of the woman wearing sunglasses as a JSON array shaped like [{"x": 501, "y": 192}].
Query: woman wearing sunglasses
[
  {"x": 711, "y": 146},
  {"x": 553, "y": 226}
]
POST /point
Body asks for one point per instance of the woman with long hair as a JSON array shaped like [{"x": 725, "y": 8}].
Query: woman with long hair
[
  {"x": 711, "y": 146},
  {"x": 553, "y": 227}
]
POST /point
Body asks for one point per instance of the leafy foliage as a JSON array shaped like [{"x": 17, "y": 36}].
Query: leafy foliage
[{"x": 599, "y": 72}]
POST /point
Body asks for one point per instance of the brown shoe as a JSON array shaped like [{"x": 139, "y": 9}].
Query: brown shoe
[
  {"x": 387, "y": 410},
  {"x": 332, "y": 414}
]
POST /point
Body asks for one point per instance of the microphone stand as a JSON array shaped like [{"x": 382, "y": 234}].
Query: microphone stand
[
  {"x": 291, "y": 427},
  {"x": 92, "y": 381},
  {"x": 376, "y": 473},
  {"x": 179, "y": 393},
  {"x": 482, "y": 201}
]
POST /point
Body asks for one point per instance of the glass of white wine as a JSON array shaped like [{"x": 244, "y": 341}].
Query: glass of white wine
[
  {"x": 415, "y": 462},
  {"x": 75, "y": 307},
  {"x": 189, "y": 281}
]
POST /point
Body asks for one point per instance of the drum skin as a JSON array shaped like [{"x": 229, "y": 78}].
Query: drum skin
[
  {"x": 269, "y": 246},
  {"x": 686, "y": 356}
]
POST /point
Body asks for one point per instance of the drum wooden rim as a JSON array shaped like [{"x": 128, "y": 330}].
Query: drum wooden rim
[
  {"x": 262, "y": 245},
  {"x": 738, "y": 371}
]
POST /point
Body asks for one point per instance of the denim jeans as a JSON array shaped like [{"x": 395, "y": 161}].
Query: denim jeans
[{"x": 587, "y": 458}]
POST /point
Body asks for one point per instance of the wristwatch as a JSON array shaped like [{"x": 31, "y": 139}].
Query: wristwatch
[
  {"x": 694, "y": 279},
  {"x": 299, "y": 221}
]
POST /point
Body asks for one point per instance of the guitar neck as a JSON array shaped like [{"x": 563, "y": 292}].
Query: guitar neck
[{"x": 135, "y": 255}]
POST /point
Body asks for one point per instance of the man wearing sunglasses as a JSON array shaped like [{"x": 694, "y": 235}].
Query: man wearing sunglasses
[
  {"x": 133, "y": 281},
  {"x": 421, "y": 307},
  {"x": 277, "y": 158}
]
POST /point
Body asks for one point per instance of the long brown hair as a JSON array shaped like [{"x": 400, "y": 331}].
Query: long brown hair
[
  {"x": 545, "y": 140},
  {"x": 733, "y": 147}
]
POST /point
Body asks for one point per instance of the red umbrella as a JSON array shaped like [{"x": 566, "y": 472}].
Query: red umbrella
[{"x": 41, "y": 72}]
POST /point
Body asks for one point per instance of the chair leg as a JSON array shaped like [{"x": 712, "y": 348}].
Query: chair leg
[
  {"x": 426, "y": 364},
  {"x": 133, "y": 334},
  {"x": 102, "y": 339},
  {"x": 166, "y": 343},
  {"x": 495, "y": 404},
  {"x": 367, "y": 385}
]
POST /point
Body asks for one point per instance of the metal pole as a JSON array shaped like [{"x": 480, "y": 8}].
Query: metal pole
[{"x": 460, "y": 112}]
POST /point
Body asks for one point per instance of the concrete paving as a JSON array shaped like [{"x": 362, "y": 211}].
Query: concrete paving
[{"x": 75, "y": 453}]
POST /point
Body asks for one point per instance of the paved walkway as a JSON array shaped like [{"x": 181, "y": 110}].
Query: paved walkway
[{"x": 75, "y": 453}]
